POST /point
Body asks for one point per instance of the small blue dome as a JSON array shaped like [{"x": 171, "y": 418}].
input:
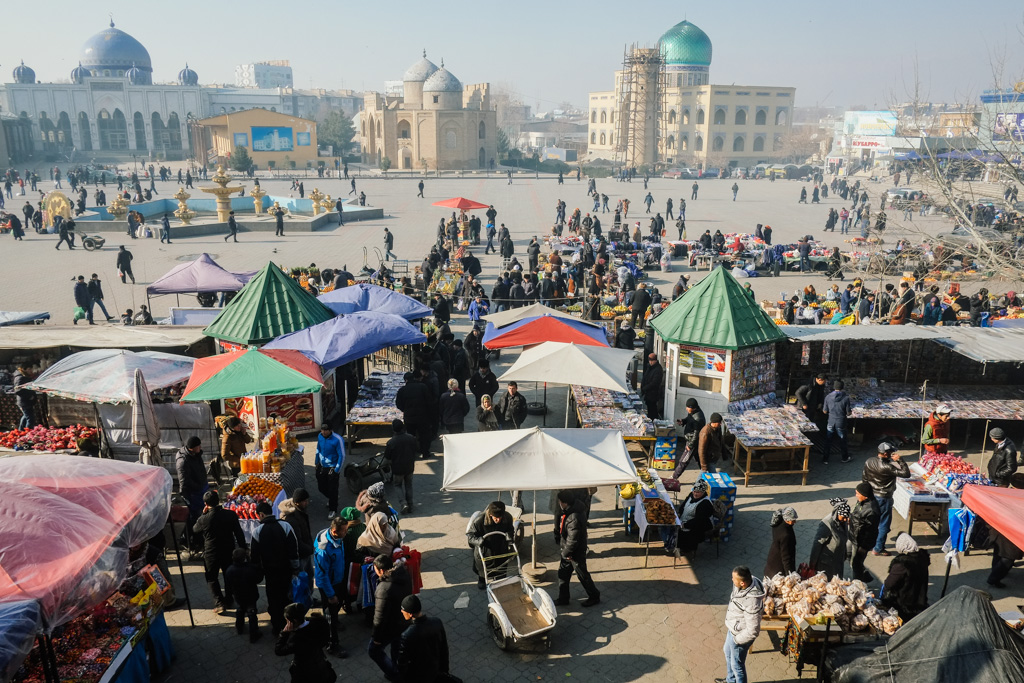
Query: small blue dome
[
  {"x": 442, "y": 80},
  {"x": 187, "y": 76},
  {"x": 685, "y": 43},
  {"x": 79, "y": 74},
  {"x": 114, "y": 50},
  {"x": 23, "y": 74},
  {"x": 136, "y": 76}
]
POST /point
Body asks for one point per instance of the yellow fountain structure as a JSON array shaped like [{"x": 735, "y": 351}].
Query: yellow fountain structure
[
  {"x": 316, "y": 196},
  {"x": 257, "y": 195},
  {"x": 222, "y": 193},
  {"x": 184, "y": 214}
]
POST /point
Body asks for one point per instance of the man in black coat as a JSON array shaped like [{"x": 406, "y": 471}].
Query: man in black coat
[
  {"x": 232, "y": 230},
  {"x": 80, "y": 290},
  {"x": 401, "y": 451},
  {"x": 293, "y": 511},
  {"x": 394, "y": 586},
  {"x": 423, "y": 646},
  {"x": 124, "y": 264},
  {"x": 454, "y": 408},
  {"x": 494, "y": 519},
  {"x": 689, "y": 431},
  {"x": 483, "y": 382},
  {"x": 221, "y": 533},
  {"x": 414, "y": 400},
  {"x": 651, "y": 386},
  {"x": 95, "y": 286},
  {"x": 243, "y": 579},
  {"x": 625, "y": 338},
  {"x": 533, "y": 253},
  {"x": 573, "y": 550},
  {"x": 192, "y": 479},
  {"x": 641, "y": 302},
  {"x": 275, "y": 552},
  {"x": 511, "y": 409},
  {"x": 811, "y": 397},
  {"x": 460, "y": 363},
  {"x": 863, "y": 525},
  {"x": 442, "y": 311},
  {"x": 1003, "y": 463}
]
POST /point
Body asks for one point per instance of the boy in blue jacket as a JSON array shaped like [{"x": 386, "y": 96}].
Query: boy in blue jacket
[{"x": 329, "y": 569}]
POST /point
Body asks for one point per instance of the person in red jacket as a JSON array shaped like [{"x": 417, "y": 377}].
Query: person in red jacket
[{"x": 936, "y": 430}]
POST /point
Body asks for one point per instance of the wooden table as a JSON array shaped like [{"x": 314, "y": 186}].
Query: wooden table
[
  {"x": 780, "y": 453},
  {"x": 702, "y": 261},
  {"x": 932, "y": 513}
]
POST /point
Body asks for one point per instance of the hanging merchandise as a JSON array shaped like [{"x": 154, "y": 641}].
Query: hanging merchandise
[
  {"x": 805, "y": 353},
  {"x": 826, "y": 352}
]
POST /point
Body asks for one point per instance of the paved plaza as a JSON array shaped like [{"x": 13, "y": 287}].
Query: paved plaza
[{"x": 660, "y": 623}]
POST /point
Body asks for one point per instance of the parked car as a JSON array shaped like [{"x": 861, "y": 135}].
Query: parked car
[
  {"x": 673, "y": 173},
  {"x": 712, "y": 173},
  {"x": 904, "y": 193},
  {"x": 961, "y": 236}
]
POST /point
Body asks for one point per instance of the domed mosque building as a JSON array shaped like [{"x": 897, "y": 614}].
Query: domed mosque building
[
  {"x": 665, "y": 112},
  {"x": 437, "y": 122},
  {"x": 109, "y": 104}
]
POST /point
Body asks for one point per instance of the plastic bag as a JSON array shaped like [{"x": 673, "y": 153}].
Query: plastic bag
[{"x": 79, "y": 313}]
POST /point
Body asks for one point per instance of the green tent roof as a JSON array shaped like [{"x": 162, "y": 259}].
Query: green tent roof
[
  {"x": 717, "y": 312},
  {"x": 271, "y": 304}
]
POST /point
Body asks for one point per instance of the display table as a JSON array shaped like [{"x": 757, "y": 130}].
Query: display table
[
  {"x": 765, "y": 454},
  {"x": 918, "y": 501},
  {"x": 901, "y": 401},
  {"x": 375, "y": 406},
  {"x": 292, "y": 475},
  {"x": 603, "y": 409},
  {"x": 640, "y": 516},
  {"x": 770, "y": 434}
]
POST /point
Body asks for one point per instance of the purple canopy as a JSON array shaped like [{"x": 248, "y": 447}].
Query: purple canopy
[{"x": 201, "y": 275}]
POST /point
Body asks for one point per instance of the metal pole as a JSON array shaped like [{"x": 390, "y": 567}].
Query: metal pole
[
  {"x": 533, "y": 532},
  {"x": 924, "y": 399},
  {"x": 910, "y": 351},
  {"x": 545, "y": 418},
  {"x": 945, "y": 581},
  {"x": 568, "y": 396}
]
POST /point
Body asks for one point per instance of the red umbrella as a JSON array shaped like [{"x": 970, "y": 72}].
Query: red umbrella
[
  {"x": 460, "y": 203},
  {"x": 544, "y": 328}
]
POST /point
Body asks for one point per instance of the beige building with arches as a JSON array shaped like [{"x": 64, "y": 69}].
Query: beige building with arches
[{"x": 437, "y": 123}]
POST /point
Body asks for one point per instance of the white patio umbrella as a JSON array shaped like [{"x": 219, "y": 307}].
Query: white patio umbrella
[
  {"x": 566, "y": 363},
  {"x": 145, "y": 430},
  {"x": 532, "y": 311},
  {"x": 535, "y": 459}
]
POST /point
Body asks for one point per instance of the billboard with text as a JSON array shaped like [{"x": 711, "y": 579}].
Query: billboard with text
[
  {"x": 869, "y": 123},
  {"x": 1008, "y": 127}
]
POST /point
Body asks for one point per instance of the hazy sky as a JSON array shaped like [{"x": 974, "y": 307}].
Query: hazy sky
[{"x": 835, "y": 54}]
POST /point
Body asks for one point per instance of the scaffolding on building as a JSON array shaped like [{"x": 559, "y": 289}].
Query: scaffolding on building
[{"x": 640, "y": 107}]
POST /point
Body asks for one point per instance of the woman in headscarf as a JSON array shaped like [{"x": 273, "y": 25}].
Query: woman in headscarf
[
  {"x": 932, "y": 312},
  {"x": 486, "y": 420},
  {"x": 835, "y": 265},
  {"x": 906, "y": 586},
  {"x": 353, "y": 558},
  {"x": 379, "y": 538},
  {"x": 373, "y": 500},
  {"x": 1011, "y": 300},
  {"x": 828, "y": 552},
  {"x": 695, "y": 519},
  {"x": 782, "y": 553}
]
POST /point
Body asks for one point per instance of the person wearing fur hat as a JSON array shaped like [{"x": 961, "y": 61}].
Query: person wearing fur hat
[
  {"x": 828, "y": 551},
  {"x": 695, "y": 520},
  {"x": 864, "y": 521},
  {"x": 906, "y": 586},
  {"x": 1003, "y": 462},
  {"x": 689, "y": 431},
  {"x": 625, "y": 338},
  {"x": 782, "y": 553},
  {"x": 711, "y": 443}
]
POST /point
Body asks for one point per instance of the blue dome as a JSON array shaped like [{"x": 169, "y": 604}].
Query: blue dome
[
  {"x": 79, "y": 74},
  {"x": 187, "y": 76},
  {"x": 23, "y": 74},
  {"x": 684, "y": 43},
  {"x": 112, "y": 49}
]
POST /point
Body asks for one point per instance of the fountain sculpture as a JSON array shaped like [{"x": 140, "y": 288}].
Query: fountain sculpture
[{"x": 223, "y": 193}]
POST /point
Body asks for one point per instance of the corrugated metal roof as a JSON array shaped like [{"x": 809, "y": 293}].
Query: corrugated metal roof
[
  {"x": 717, "y": 312},
  {"x": 271, "y": 304},
  {"x": 983, "y": 344},
  {"x": 863, "y": 332},
  {"x": 987, "y": 344}
]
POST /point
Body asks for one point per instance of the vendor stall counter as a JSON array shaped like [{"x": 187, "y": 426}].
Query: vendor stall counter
[
  {"x": 597, "y": 408},
  {"x": 375, "y": 406},
  {"x": 641, "y": 503},
  {"x": 768, "y": 433}
]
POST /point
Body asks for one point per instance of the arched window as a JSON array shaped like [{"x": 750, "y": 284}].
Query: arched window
[
  {"x": 684, "y": 143},
  {"x": 613, "y": 116},
  {"x": 700, "y": 144},
  {"x": 741, "y": 117},
  {"x": 671, "y": 142},
  {"x": 700, "y": 117},
  {"x": 719, "y": 117},
  {"x": 380, "y": 130},
  {"x": 604, "y": 117},
  {"x": 482, "y": 133},
  {"x": 718, "y": 144},
  {"x": 761, "y": 117},
  {"x": 139, "y": 122},
  {"x": 593, "y": 116},
  {"x": 738, "y": 143},
  {"x": 780, "y": 117},
  {"x": 759, "y": 143},
  {"x": 593, "y": 138},
  {"x": 173, "y": 131},
  {"x": 604, "y": 140},
  {"x": 404, "y": 130},
  {"x": 85, "y": 131},
  {"x": 451, "y": 140},
  {"x": 113, "y": 130},
  {"x": 364, "y": 129},
  {"x": 481, "y": 157},
  {"x": 672, "y": 117},
  {"x": 686, "y": 117},
  {"x": 64, "y": 129}
]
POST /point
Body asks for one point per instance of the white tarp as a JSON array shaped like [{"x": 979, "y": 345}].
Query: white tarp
[
  {"x": 516, "y": 314},
  {"x": 176, "y": 421},
  {"x": 100, "y": 336},
  {"x": 864, "y": 332},
  {"x": 108, "y": 375},
  {"x": 535, "y": 459},
  {"x": 566, "y": 363}
]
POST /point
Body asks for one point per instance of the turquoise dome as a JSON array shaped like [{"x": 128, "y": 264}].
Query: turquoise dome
[
  {"x": 684, "y": 43},
  {"x": 112, "y": 49}
]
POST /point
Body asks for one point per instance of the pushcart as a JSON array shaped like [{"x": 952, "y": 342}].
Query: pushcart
[
  {"x": 516, "y": 609},
  {"x": 355, "y": 473}
]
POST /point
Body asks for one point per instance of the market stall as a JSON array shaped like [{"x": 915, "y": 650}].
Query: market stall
[
  {"x": 769, "y": 434},
  {"x": 8, "y": 318},
  {"x": 546, "y": 327},
  {"x": 20, "y": 621},
  {"x": 598, "y": 408},
  {"x": 203, "y": 275},
  {"x": 364, "y": 296},
  {"x": 97, "y": 599},
  {"x": 375, "y": 404}
]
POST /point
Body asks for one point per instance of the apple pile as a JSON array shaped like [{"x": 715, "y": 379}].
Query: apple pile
[
  {"x": 50, "y": 439},
  {"x": 946, "y": 464}
]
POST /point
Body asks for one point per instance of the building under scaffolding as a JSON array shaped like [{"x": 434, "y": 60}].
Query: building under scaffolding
[{"x": 640, "y": 104}]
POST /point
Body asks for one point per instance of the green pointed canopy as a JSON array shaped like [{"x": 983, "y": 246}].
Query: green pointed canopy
[
  {"x": 717, "y": 312},
  {"x": 271, "y": 304}
]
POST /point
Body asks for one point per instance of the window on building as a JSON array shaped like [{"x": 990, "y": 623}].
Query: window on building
[
  {"x": 671, "y": 142},
  {"x": 436, "y": 99},
  {"x": 672, "y": 117},
  {"x": 718, "y": 144},
  {"x": 780, "y": 117},
  {"x": 451, "y": 140},
  {"x": 761, "y": 117},
  {"x": 604, "y": 139},
  {"x": 482, "y": 133},
  {"x": 700, "y": 144},
  {"x": 613, "y": 116},
  {"x": 593, "y": 117},
  {"x": 777, "y": 143},
  {"x": 720, "y": 117},
  {"x": 593, "y": 138},
  {"x": 684, "y": 143},
  {"x": 738, "y": 144},
  {"x": 741, "y": 117},
  {"x": 686, "y": 117},
  {"x": 700, "y": 117},
  {"x": 604, "y": 117},
  {"x": 759, "y": 144},
  {"x": 404, "y": 130}
]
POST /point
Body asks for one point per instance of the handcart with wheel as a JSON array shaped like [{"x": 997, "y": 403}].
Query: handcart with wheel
[
  {"x": 355, "y": 473},
  {"x": 516, "y": 609}
]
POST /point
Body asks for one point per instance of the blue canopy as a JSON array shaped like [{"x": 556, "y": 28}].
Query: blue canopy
[
  {"x": 367, "y": 297},
  {"x": 907, "y": 156},
  {"x": 19, "y": 623},
  {"x": 349, "y": 337}
]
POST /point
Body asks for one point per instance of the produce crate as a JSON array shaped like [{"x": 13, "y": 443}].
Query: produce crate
[
  {"x": 721, "y": 487},
  {"x": 665, "y": 450}
]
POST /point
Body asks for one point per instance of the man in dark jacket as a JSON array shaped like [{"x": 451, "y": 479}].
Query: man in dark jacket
[
  {"x": 401, "y": 451},
  {"x": 95, "y": 286},
  {"x": 192, "y": 480},
  {"x": 625, "y": 338},
  {"x": 1004, "y": 554},
  {"x": 881, "y": 473},
  {"x": 414, "y": 401},
  {"x": 275, "y": 552},
  {"x": 493, "y": 519},
  {"x": 533, "y": 253},
  {"x": 454, "y": 408},
  {"x": 423, "y": 646},
  {"x": 863, "y": 527},
  {"x": 810, "y": 398},
  {"x": 124, "y": 264},
  {"x": 232, "y": 230},
  {"x": 573, "y": 551},
  {"x": 641, "y": 302},
  {"x": 511, "y": 409},
  {"x": 837, "y": 409},
  {"x": 442, "y": 311},
  {"x": 906, "y": 586},
  {"x": 689, "y": 431},
  {"x": 221, "y": 533},
  {"x": 460, "y": 364},
  {"x": 1003, "y": 462},
  {"x": 294, "y": 511},
  {"x": 651, "y": 386},
  {"x": 394, "y": 586},
  {"x": 243, "y": 580},
  {"x": 82, "y": 299},
  {"x": 711, "y": 443},
  {"x": 483, "y": 382}
]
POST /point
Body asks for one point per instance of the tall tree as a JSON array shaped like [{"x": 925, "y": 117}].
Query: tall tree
[
  {"x": 240, "y": 160},
  {"x": 337, "y": 130}
]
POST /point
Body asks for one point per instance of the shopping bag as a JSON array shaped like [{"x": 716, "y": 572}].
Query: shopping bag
[{"x": 79, "y": 313}]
